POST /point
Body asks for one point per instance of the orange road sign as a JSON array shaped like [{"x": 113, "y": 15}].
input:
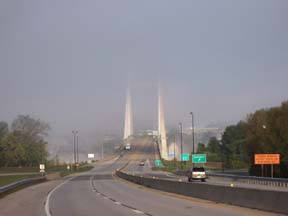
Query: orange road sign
[{"x": 267, "y": 159}]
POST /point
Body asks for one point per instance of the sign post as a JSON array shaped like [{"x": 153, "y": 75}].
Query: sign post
[
  {"x": 158, "y": 163},
  {"x": 185, "y": 157},
  {"x": 262, "y": 159},
  {"x": 199, "y": 158},
  {"x": 42, "y": 168}
]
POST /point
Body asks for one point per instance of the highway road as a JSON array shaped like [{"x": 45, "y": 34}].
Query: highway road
[{"x": 100, "y": 192}]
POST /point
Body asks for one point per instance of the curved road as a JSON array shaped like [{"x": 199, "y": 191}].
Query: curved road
[{"x": 99, "y": 192}]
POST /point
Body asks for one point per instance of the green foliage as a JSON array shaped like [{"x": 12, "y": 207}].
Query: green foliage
[
  {"x": 234, "y": 148},
  {"x": 267, "y": 132},
  {"x": 24, "y": 145},
  {"x": 4, "y": 129},
  {"x": 201, "y": 148}
]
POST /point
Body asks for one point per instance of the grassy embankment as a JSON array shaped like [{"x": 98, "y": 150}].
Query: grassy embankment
[
  {"x": 5, "y": 180},
  {"x": 33, "y": 172}
]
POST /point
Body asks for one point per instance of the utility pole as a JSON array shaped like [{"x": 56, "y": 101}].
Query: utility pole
[
  {"x": 174, "y": 150},
  {"x": 181, "y": 142},
  {"x": 174, "y": 147},
  {"x": 102, "y": 151},
  {"x": 74, "y": 133},
  {"x": 193, "y": 141},
  {"x": 77, "y": 155}
]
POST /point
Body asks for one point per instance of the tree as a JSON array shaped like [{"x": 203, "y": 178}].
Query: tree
[
  {"x": 201, "y": 148},
  {"x": 13, "y": 152},
  {"x": 267, "y": 132},
  {"x": 4, "y": 130},
  {"x": 30, "y": 134},
  {"x": 234, "y": 148},
  {"x": 214, "y": 150}
]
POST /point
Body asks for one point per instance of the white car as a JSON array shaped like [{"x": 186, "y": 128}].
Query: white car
[
  {"x": 127, "y": 146},
  {"x": 197, "y": 173}
]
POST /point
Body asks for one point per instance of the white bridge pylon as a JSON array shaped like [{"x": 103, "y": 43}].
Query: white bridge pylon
[
  {"x": 161, "y": 127},
  {"x": 128, "y": 129}
]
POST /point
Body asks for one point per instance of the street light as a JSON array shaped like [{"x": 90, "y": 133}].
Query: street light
[
  {"x": 74, "y": 133},
  {"x": 77, "y": 155},
  {"x": 181, "y": 142},
  {"x": 174, "y": 148},
  {"x": 193, "y": 147}
]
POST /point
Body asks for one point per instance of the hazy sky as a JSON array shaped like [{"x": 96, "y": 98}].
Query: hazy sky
[{"x": 68, "y": 62}]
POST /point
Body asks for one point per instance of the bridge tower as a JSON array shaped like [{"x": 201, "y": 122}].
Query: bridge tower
[
  {"x": 128, "y": 128},
  {"x": 161, "y": 126}
]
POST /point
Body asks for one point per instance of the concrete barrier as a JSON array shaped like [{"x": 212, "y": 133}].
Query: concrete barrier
[{"x": 274, "y": 201}]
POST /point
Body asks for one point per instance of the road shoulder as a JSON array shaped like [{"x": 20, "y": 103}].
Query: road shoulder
[{"x": 29, "y": 201}]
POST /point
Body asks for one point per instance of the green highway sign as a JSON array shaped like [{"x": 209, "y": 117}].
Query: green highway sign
[
  {"x": 199, "y": 158},
  {"x": 158, "y": 163},
  {"x": 185, "y": 157}
]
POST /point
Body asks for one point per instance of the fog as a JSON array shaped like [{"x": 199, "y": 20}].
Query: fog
[{"x": 69, "y": 62}]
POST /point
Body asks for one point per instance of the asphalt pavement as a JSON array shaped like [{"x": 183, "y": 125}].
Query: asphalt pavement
[{"x": 99, "y": 192}]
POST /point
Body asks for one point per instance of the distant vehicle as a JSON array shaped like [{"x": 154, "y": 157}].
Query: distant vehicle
[
  {"x": 127, "y": 146},
  {"x": 197, "y": 173},
  {"x": 141, "y": 163}
]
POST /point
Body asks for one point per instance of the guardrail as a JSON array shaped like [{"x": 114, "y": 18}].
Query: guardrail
[
  {"x": 15, "y": 185},
  {"x": 275, "y": 201},
  {"x": 273, "y": 182}
]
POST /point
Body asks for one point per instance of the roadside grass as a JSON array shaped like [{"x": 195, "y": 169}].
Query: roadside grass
[
  {"x": 174, "y": 166},
  {"x": 5, "y": 180},
  {"x": 78, "y": 170},
  {"x": 19, "y": 170}
]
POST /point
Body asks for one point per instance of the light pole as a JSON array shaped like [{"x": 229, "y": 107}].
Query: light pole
[
  {"x": 77, "y": 155},
  {"x": 174, "y": 139},
  {"x": 102, "y": 151},
  {"x": 181, "y": 142},
  {"x": 74, "y": 133},
  {"x": 193, "y": 141},
  {"x": 174, "y": 148}
]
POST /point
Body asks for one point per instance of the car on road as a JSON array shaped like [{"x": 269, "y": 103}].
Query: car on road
[
  {"x": 197, "y": 173},
  {"x": 141, "y": 163},
  {"x": 127, "y": 146}
]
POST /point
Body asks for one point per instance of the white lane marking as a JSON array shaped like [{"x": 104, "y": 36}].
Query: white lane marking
[
  {"x": 137, "y": 211},
  {"x": 91, "y": 181},
  {"x": 47, "y": 202},
  {"x": 106, "y": 197},
  {"x": 118, "y": 203}
]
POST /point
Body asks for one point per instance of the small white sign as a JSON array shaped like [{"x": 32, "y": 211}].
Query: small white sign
[
  {"x": 91, "y": 155},
  {"x": 42, "y": 166},
  {"x": 68, "y": 167}
]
